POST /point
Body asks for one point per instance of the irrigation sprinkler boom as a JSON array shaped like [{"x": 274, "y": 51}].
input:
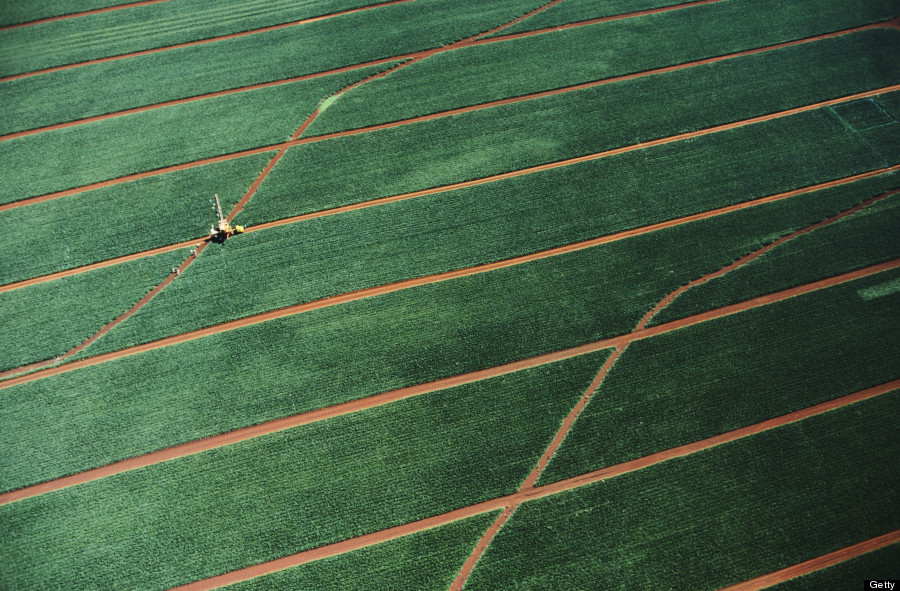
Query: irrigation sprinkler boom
[{"x": 223, "y": 230}]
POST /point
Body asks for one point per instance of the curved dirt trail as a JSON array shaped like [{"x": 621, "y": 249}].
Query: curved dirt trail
[
  {"x": 573, "y": 415},
  {"x": 619, "y": 342},
  {"x": 818, "y": 563},
  {"x": 62, "y": 17},
  {"x": 239, "y": 34},
  {"x": 443, "y": 114},
  {"x": 525, "y": 495}
]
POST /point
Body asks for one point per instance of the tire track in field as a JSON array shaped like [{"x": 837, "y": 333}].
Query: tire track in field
[
  {"x": 523, "y": 496},
  {"x": 242, "y": 202},
  {"x": 459, "y": 45},
  {"x": 404, "y": 196},
  {"x": 51, "y": 19},
  {"x": 585, "y": 399},
  {"x": 818, "y": 563},
  {"x": 459, "y": 111},
  {"x": 265, "y": 29},
  {"x": 245, "y": 433}
]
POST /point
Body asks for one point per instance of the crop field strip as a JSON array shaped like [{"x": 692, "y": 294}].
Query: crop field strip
[
  {"x": 490, "y": 105},
  {"x": 199, "y": 41},
  {"x": 533, "y": 487},
  {"x": 81, "y": 14}
]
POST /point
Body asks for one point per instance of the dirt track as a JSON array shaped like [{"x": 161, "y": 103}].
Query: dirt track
[
  {"x": 51, "y": 19},
  {"x": 527, "y": 494},
  {"x": 132, "y": 54},
  {"x": 830, "y": 559},
  {"x": 549, "y": 166},
  {"x": 215, "y": 441}
]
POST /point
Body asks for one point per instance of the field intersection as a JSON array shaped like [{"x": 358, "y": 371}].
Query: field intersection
[{"x": 525, "y": 294}]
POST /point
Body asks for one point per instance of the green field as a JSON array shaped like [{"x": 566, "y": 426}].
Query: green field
[{"x": 517, "y": 259}]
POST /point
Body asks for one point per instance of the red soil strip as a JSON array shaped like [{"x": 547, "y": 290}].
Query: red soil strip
[
  {"x": 573, "y": 415},
  {"x": 80, "y": 14},
  {"x": 815, "y": 564},
  {"x": 525, "y": 495},
  {"x": 549, "y": 166},
  {"x": 472, "y": 41},
  {"x": 215, "y": 441},
  {"x": 267, "y": 29}
]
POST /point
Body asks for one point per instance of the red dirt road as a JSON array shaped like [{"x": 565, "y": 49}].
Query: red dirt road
[
  {"x": 548, "y": 166},
  {"x": 526, "y": 495},
  {"x": 51, "y": 19},
  {"x": 818, "y": 563},
  {"x": 132, "y": 54},
  {"x": 215, "y": 441}
]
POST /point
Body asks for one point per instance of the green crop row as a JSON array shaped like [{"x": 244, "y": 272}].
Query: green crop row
[
  {"x": 572, "y": 11},
  {"x": 461, "y": 78},
  {"x": 298, "y": 363},
  {"x": 20, "y": 11},
  {"x": 714, "y": 518},
  {"x": 290, "y": 491},
  {"x": 46, "y": 320},
  {"x": 425, "y": 561},
  {"x": 501, "y": 139},
  {"x": 739, "y": 370},
  {"x": 866, "y": 238},
  {"x": 148, "y": 27},
  {"x": 324, "y": 45},
  {"x": 154, "y": 139}
]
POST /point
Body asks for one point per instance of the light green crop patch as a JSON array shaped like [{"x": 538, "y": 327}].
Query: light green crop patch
[
  {"x": 863, "y": 114},
  {"x": 880, "y": 290},
  {"x": 328, "y": 102}
]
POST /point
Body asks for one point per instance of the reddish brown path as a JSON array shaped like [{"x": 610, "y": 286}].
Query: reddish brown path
[
  {"x": 267, "y": 29},
  {"x": 51, "y": 19},
  {"x": 569, "y": 420},
  {"x": 529, "y": 494},
  {"x": 289, "y": 422},
  {"x": 404, "y": 196},
  {"x": 549, "y": 166},
  {"x": 818, "y": 563},
  {"x": 473, "y": 41}
]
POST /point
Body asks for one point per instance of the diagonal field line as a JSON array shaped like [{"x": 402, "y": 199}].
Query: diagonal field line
[
  {"x": 526, "y": 495},
  {"x": 417, "y": 54},
  {"x": 451, "y": 47},
  {"x": 238, "y": 435},
  {"x": 569, "y": 420},
  {"x": 51, "y": 19},
  {"x": 549, "y": 166},
  {"x": 404, "y": 196},
  {"x": 239, "y": 34},
  {"x": 818, "y": 563}
]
